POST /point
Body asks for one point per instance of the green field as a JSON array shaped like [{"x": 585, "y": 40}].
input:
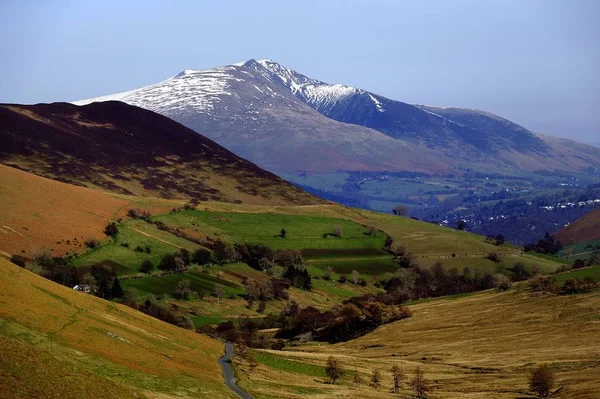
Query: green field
[
  {"x": 135, "y": 233},
  {"x": 593, "y": 272},
  {"x": 162, "y": 285},
  {"x": 290, "y": 366},
  {"x": 582, "y": 250},
  {"x": 302, "y": 232}
]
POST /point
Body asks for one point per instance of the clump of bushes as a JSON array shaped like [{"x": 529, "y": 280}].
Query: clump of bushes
[
  {"x": 111, "y": 229},
  {"x": 18, "y": 260},
  {"x": 495, "y": 257},
  {"x": 92, "y": 243},
  {"x": 139, "y": 214}
]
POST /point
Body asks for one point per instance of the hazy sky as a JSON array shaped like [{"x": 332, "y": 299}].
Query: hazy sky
[{"x": 534, "y": 62}]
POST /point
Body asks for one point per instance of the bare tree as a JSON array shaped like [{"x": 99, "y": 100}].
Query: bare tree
[
  {"x": 541, "y": 381},
  {"x": 328, "y": 271},
  {"x": 419, "y": 383},
  {"x": 376, "y": 379},
  {"x": 397, "y": 376},
  {"x": 338, "y": 231},
  {"x": 252, "y": 363},
  {"x": 219, "y": 293},
  {"x": 355, "y": 276},
  {"x": 334, "y": 370}
]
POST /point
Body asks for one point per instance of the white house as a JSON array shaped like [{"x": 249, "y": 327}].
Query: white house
[{"x": 83, "y": 288}]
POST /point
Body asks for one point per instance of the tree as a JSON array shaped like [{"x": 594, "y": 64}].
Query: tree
[
  {"x": 541, "y": 381},
  {"x": 111, "y": 229},
  {"x": 400, "y": 210},
  {"x": 219, "y": 293},
  {"x": 168, "y": 263},
  {"x": 328, "y": 271},
  {"x": 91, "y": 281},
  {"x": 334, "y": 370},
  {"x": 502, "y": 282},
  {"x": 338, "y": 231},
  {"x": 461, "y": 225},
  {"x": 262, "y": 306},
  {"x": 183, "y": 289},
  {"x": 146, "y": 266},
  {"x": 282, "y": 233},
  {"x": 376, "y": 379},
  {"x": 499, "y": 239},
  {"x": 201, "y": 256},
  {"x": 419, "y": 383},
  {"x": 117, "y": 290},
  {"x": 397, "y": 376}
]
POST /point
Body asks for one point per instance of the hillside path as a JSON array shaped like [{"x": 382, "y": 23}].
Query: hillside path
[{"x": 230, "y": 380}]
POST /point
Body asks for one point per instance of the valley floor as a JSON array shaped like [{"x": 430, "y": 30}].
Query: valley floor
[{"x": 480, "y": 346}]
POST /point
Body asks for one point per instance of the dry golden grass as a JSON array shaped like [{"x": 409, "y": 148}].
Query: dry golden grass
[
  {"x": 482, "y": 346},
  {"x": 36, "y": 212},
  {"x": 111, "y": 341}
]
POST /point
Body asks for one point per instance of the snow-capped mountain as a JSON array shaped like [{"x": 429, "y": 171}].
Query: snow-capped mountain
[{"x": 285, "y": 121}]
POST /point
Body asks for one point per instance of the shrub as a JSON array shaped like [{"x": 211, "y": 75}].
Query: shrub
[
  {"x": 139, "y": 249},
  {"x": 18, "y": 260},
  {"x": 578, "y": 286},
  {"x": 543, "y": 284},
  {"x": 400, "y": 210},
  {"x": 495, "y": 257},
  {"x": 343, "y": 279},
  {"x": 541, "y": 381}
]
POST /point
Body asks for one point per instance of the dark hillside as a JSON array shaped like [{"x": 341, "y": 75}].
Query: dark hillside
[{"x": 130, "y": 150}]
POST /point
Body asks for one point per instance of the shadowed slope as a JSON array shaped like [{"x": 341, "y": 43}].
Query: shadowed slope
[{"x": 129, "y": 150}]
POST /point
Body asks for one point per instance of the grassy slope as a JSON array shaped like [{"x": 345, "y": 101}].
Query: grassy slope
[
  {"x": 71, "y": 335},
  {"x": 38, "y": 212},
  {"x": 479, "y": 346}
]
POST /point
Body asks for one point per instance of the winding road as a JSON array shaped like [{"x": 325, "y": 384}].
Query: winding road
[{"x": 230, "y": 380}]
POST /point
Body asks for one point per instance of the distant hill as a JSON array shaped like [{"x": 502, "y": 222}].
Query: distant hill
[
  {"x": 586, "y": 228},
  {"x": 129, "y": 150},
  {"x": 286, "y": 121},
  {"x": 59, "y": 343}
]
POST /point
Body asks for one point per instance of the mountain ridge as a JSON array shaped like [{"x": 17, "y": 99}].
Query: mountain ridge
[{"x": 258, "y": 108}]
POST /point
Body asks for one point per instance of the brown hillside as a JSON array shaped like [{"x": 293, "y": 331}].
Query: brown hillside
[
  {"x": 586, "y": 228},
  {"x": 59, "y": 343},
  {"x": 36, "y": 212},
  {"x": 129, "y": 150}
]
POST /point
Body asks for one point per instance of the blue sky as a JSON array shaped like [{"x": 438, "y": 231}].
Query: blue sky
[{"x": 534, "y": 62}]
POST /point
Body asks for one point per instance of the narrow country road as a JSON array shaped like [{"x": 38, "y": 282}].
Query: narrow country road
[{"x": 228, "y": 373}]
